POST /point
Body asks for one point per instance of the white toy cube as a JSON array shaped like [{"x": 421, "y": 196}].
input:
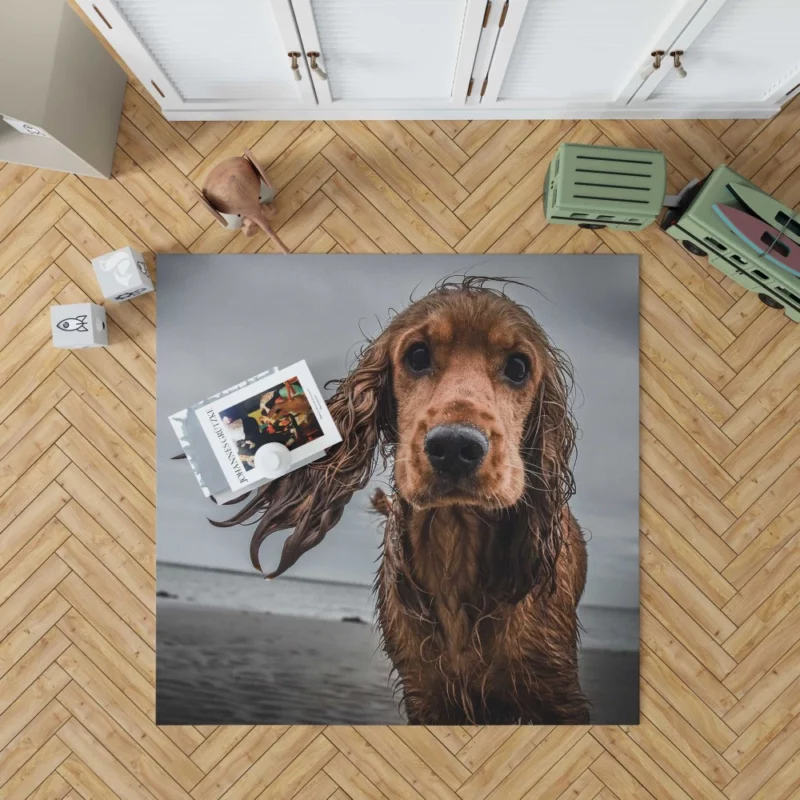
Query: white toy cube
[
  {"x": 78, "y": 325},
  {"x": 122, "y": 274}
]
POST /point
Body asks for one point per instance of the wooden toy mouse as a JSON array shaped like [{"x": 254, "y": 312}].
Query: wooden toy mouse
[{"x": 237, "y": 192}]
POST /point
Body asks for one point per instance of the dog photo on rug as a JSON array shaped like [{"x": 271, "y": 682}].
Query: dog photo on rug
[{"x": 467, "y": 554}]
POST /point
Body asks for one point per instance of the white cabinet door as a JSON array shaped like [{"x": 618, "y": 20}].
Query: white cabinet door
[
  {"x": 736, "y": 51},
  {"x": 390, "y": 54},
  {"x": 207, "y": 55},
  {"x": 573, "y": 54}
]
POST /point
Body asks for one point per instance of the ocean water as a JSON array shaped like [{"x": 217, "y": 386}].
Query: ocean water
[
  {"x": 287, "y": 596},
  {"x": 610, "y": 629}
]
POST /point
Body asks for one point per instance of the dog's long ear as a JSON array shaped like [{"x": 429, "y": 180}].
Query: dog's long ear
[
  {"x": 312, "y": 499},
  {"x": 547, "y": 449}
]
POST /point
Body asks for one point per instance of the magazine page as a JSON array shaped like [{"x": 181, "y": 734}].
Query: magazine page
[{"x": 284, "y": 407}]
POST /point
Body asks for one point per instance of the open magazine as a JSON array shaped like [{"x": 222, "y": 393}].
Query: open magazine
[{"x": 222, "y": 434}]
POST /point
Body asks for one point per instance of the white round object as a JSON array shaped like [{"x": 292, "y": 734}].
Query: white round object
[{"x": 273, "y": 459}]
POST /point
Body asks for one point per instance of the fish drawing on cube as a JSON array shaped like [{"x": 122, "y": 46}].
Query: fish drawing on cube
[
  {"x": 78, "y": 325},
  {"x": 122, "y": 274}
]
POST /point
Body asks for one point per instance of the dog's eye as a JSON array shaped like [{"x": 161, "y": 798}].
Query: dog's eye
[
  {"x": 418, "y": 357},
  {"x": 517, "y": 369}
]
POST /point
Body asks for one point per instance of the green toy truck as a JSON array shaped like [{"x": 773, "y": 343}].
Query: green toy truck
[
  {"x": 613, "y": 187},
  {"x": 700, "y": 230}
]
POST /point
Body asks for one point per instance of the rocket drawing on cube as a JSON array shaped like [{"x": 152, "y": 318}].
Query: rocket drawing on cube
[
  {"x": 122, "y": 274},
  {"x": 78, "y": 325}
]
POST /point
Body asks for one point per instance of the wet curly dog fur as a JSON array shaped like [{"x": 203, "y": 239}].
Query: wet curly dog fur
[{"x": 483, "y": 563}]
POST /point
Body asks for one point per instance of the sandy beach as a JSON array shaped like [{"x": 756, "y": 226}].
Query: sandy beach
[
  {"x": 217, "y": 666},
  {"x": 223, "y": 666}
]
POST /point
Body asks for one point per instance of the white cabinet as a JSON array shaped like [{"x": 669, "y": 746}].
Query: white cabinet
[
  {"x": 390, "y": 54},
  {"x": 580, "y": 58},
  {"x": 207, "y": 55},
  {"x": 735, "y": 51},
  {"x": 339, "y": 59},
  {"x": 564, "y": 53}
]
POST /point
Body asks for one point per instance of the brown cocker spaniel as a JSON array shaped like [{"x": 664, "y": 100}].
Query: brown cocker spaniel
[{"x": 483, "y": 564}]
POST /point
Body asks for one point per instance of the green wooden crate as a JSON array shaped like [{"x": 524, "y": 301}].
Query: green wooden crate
[
  {"x": 605, "y": 187},
  {"x": 698, "y": 227}
]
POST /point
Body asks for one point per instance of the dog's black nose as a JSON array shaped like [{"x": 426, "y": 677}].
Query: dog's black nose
[{"x": 456, "y": 450}]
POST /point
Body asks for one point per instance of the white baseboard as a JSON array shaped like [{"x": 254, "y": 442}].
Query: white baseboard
[{"x": 651, "y": 111}]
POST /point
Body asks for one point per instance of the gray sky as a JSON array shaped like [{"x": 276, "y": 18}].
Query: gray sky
[{"x": 222, "y": 319}]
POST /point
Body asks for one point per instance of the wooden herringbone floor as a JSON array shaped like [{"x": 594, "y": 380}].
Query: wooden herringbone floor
[{"x": 720, "y": 471}]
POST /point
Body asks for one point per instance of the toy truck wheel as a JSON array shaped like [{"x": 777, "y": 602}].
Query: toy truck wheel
[
  {"x": 592, "y": 226},
  {"x": 693, "y": 248},
  {"x": 769, "y": 301}
]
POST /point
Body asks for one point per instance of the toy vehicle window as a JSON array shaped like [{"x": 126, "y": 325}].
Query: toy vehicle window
[
  {"x": 774, "y": 244},
  {"x": 792, "y": 225}
]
